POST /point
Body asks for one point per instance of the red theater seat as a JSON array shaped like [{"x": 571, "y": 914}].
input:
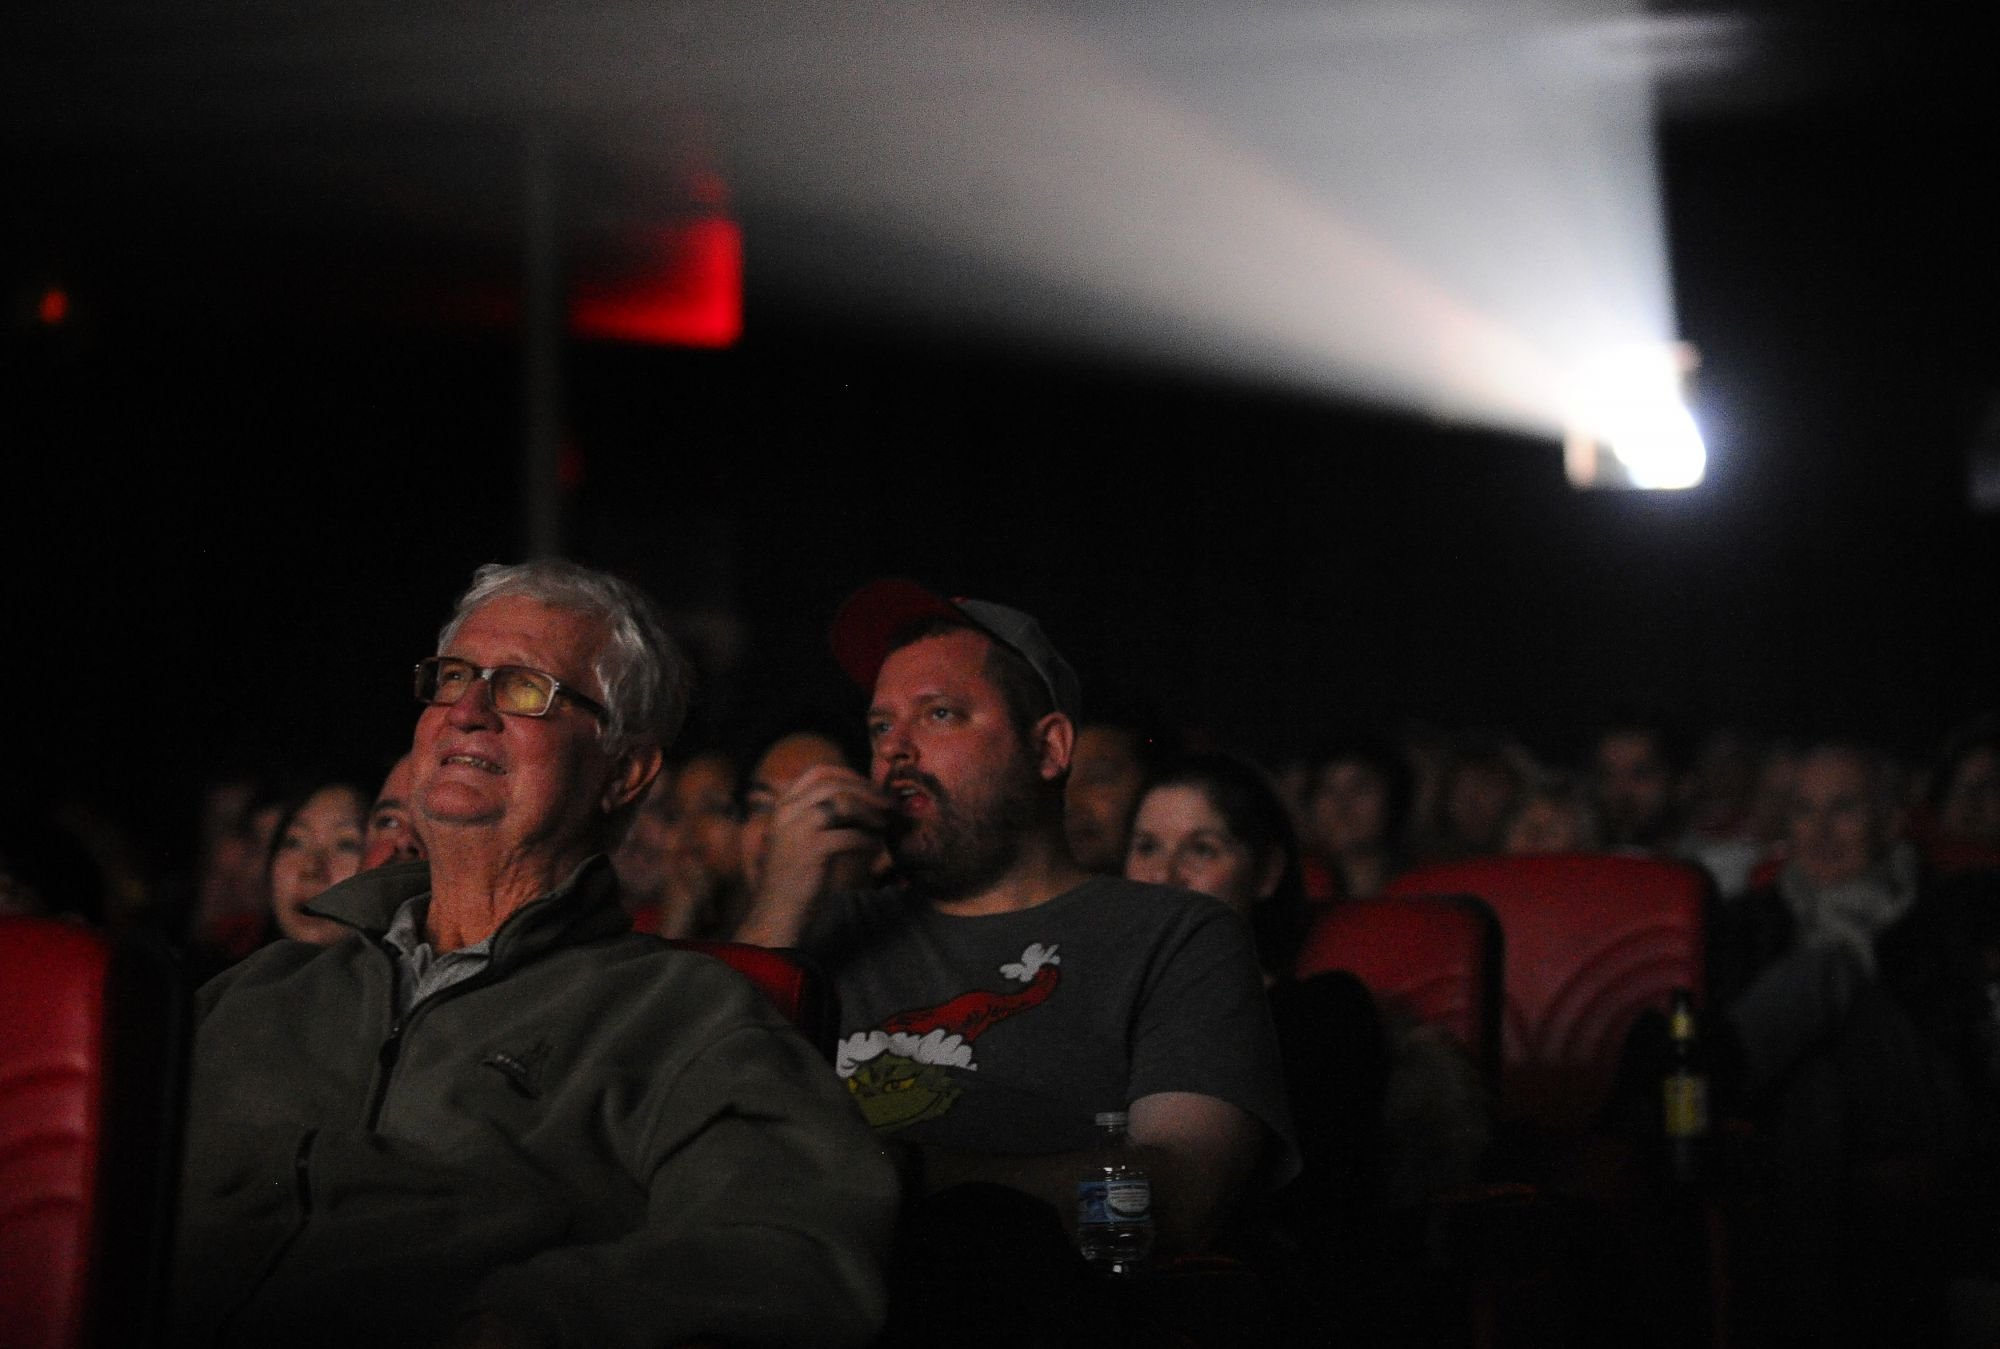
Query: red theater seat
[
  {"x": 795, "y": 986},
  {"x": 1590, "y": 941},
  {"x": 1438, "y": 958},
  {"x": 91, "y": 1036}
]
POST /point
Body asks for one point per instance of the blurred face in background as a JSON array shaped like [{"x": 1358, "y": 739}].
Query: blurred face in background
[
  {"x": 780, "y": 767},
  {"x": 1971, "y": 805},
  {"x": 1839, "y": 826},
  {"x": 237, "y": 852},
  {"x": 319, "y": 846},
  {"x": 1180, "y": 838},
  {"x": 702, "y": 832},
  {"x": 1479, "y": 797},
  {"x": 1349, "y": 810},
  {"x": 1105, "y": 776},
  {"x": 1548, "y": 824},
  {"x": 391, "y": 834},
  {"x": 1634, "y": 787}
]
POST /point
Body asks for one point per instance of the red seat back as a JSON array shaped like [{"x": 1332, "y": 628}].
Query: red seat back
[
  {"x": 90, "y": 1036},
  {"x": 1437, "y": 958},
  {"x": 1590, "y": 942},
  {"x": 795, "y": 986}
]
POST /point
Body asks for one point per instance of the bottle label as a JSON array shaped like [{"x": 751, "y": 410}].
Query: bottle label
[
  {"x": 1687, "y": 1105},
  {"x": 1129, "y": 1200},
  {"x": 1107, "y": 1202},
  {"x": 1090, "y": 1204}
]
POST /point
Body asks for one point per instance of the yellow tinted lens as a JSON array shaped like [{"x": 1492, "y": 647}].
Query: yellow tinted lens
[
  {"x": 525, "y": 693},
  {"x": 449, "y": 679}
]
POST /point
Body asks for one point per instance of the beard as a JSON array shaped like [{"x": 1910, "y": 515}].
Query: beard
[{"x": 970, "y": 838}]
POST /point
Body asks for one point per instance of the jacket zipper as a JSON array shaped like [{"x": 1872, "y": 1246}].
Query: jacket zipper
[{"x": 391, "y": 1050}]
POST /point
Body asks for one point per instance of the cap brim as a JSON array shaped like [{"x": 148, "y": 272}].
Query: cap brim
[{"x": 873, "y": 617}]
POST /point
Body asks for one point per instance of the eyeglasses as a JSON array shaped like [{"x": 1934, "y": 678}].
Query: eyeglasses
[{"x": 517, "y": 690}]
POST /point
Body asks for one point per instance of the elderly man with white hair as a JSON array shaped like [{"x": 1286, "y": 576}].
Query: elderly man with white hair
[{"x": 492, "y": 1115}]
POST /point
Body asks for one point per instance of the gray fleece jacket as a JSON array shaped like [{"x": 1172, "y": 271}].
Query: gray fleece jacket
[{"x": 599, "y": 1139}]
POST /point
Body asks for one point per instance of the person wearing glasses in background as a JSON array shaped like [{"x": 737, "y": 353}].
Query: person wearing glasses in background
[{"x": 491, "y": 1114}]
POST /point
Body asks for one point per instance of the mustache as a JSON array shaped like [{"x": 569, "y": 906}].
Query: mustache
[
  {"x": 900, "y": 824},
  {"x": 915, "y": 777}
]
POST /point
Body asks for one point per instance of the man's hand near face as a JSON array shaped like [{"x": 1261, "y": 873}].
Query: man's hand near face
[{"x": 826, "y": 816}]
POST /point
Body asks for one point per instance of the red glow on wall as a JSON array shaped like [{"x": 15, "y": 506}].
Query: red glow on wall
[
  {"x": 686, "y": 292},
  {"x": 53, "y": 307}
]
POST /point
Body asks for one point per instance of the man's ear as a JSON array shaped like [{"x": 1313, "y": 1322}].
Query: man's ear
[
  {"x": 1054, "y": 740},
  {"x": 631, "y": 774}
]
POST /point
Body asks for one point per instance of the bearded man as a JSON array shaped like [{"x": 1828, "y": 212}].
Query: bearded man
[{"x": 1000, "y": 996}]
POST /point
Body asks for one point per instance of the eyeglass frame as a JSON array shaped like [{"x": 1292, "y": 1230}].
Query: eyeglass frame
[{"x": 485, "y": 674}]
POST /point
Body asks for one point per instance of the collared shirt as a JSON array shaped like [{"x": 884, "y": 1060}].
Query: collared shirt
[{"x": 420, "y": 971}]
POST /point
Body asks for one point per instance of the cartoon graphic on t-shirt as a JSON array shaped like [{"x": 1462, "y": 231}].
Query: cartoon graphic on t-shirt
[{"x": 897, "y": 1072}]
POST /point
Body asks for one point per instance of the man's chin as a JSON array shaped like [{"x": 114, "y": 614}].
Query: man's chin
[{"x": 450, "y": 809}]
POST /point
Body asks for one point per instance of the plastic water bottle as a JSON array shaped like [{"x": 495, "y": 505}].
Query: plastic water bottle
[{"x": 1114, "y": 1203}]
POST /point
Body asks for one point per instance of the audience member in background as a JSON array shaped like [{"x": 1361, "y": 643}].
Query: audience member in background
[
  {"x": 1403, "y": 1116},
  {"x": 1357, "y": 817},
  {"x": 232, "y": 913},
  {"x": 1116, "y": 753},
  {"x": 805, "y": 760},
  {"x": 1847, "y": 877},
  {"x": 391, "y": 832},
  {"x": 1860, "y": 1110},
  {"x": 317, "y": 845},
  {"x": 1556, "y": 814},
  {"x": 704, "y": 844},
  {"x": 1735, "y": 800},
  {"x": 1214, "y": 823},
  {"x": 1632, "y": 770},
  {"x": 1716, "y": 790},
  {"x": 640, "y": 859},
  {"x": 1964, "y": 801},
  {"x": 681, "y": 863},
  {"x": 1482, "y": 782},
  {"x": 1771, "y": 798}
]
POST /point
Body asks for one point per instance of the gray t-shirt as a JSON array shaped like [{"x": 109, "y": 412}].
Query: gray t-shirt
[{"x": 1006, "y": 1033}]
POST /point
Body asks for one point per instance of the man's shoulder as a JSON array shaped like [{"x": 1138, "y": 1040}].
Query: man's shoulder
[
  {"x": 368, "y": 900},
  {"x": 1106, "y": 902},
  {"x": 1097, "y": 897},
  {"x": 1145, "y": 896}
]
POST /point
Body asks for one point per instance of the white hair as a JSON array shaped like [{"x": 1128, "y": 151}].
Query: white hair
[{"x": 646, "y": 679}]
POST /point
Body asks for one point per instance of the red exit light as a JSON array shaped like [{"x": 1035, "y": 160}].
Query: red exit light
[{"x": 688, "y": 291}]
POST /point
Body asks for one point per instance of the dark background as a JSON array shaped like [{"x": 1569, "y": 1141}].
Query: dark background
[{"x": 233, "y": 517}]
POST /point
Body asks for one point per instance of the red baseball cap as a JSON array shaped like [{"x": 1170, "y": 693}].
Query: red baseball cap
[{"x": 870, "y": 620}]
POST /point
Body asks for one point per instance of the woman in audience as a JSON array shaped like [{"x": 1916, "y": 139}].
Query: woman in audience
[
  {"x": 317, "y": 844},
  {"x": 1216, "y": 824},
  {"x": 1358, "y": 815}
]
